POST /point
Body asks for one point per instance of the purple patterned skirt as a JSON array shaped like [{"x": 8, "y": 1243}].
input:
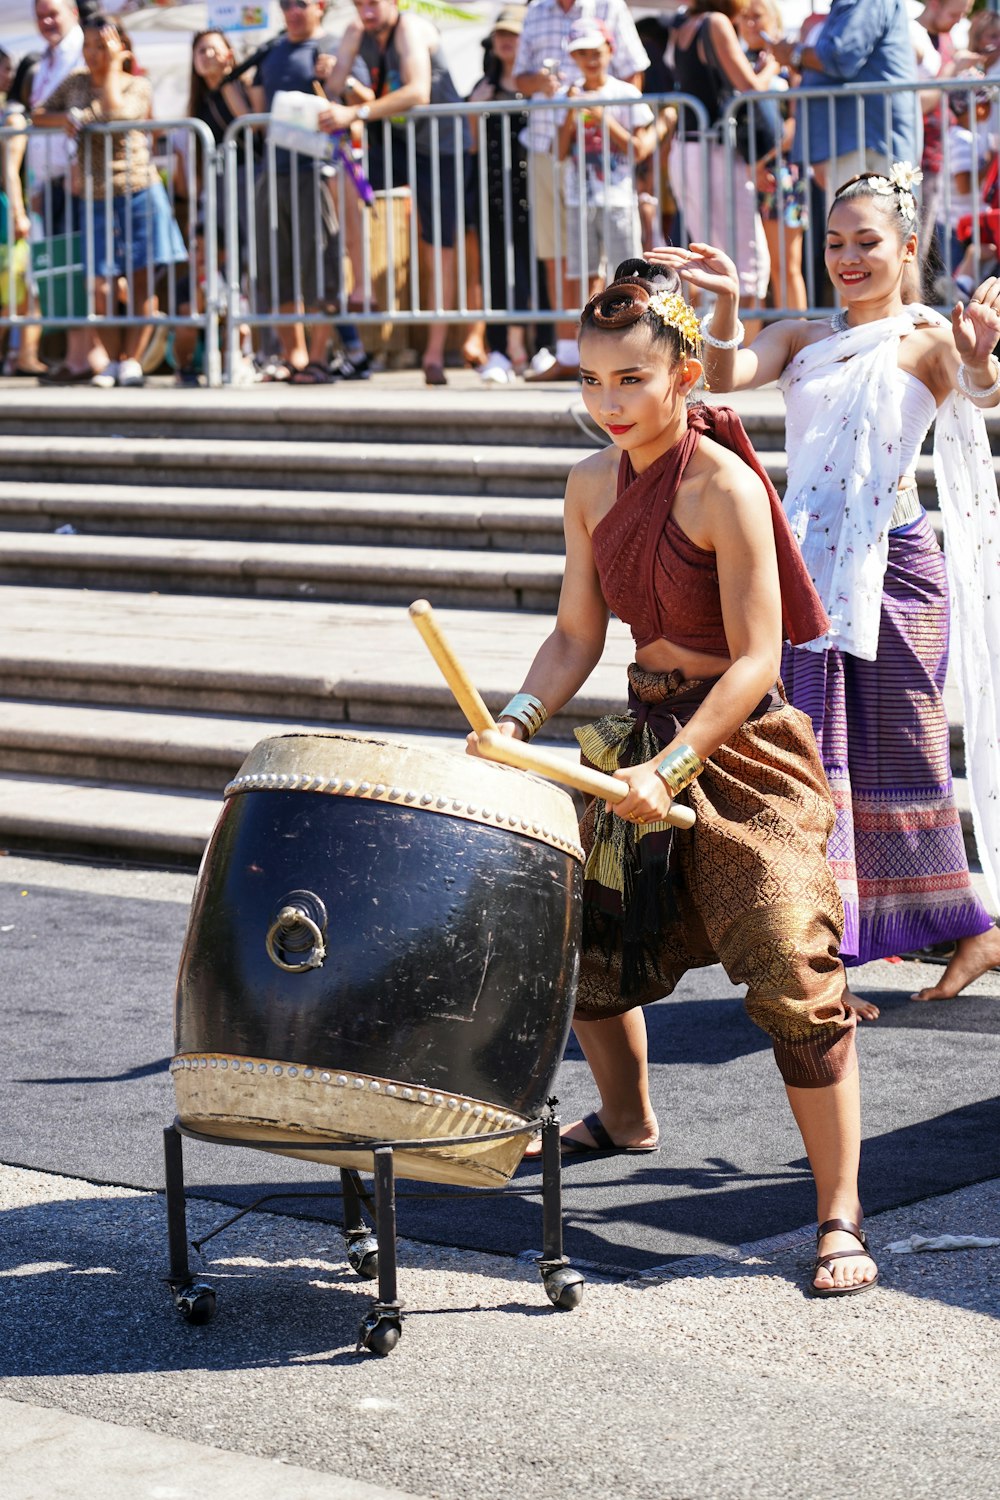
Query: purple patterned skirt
[{"x": 896, "y": 849}]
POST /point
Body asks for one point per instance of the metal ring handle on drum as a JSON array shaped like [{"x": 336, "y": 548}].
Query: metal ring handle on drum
[{"x": 290, "y": 917}]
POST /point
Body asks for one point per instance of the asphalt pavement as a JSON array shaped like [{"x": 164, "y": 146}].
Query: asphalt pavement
[{"x": 694, "y": 1367}]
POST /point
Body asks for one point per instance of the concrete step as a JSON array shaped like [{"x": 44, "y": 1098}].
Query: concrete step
[
  {"x": 387, "y": 409},
  {"x": 459, "y": 469},
  {"x": 287, "y": 570},
  {"x": 154, "y": 825},
  {"x": 356, "y": 413},
  {"x": 191, "y": 752},
  {"x": 273, "y": 659},
  {"x": 382, "y": 518},
  {"x": 412, "y": 467}
]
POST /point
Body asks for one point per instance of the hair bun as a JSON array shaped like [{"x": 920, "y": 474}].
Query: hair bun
[{"x": 619, "y": 305}]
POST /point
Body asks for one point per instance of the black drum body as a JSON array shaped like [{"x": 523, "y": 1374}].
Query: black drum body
[{"x": 383, "y": 945}]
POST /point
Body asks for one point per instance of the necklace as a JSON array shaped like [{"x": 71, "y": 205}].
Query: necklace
[{"x": 839, "y": 321}]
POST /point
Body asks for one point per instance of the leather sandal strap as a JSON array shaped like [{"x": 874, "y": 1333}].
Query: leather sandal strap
[
  {"x": 602, "y": 1139},
  {"x": 845, "y": 1227},
  {"x": 821, "y": 1260}
]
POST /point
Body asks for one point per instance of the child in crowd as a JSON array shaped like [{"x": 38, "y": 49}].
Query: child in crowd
[
  {"x": 972, "y": 144},
  {"x": 602, "y": 206}
]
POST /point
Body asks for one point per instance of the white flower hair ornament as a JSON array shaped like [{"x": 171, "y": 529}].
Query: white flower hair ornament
[
  {"x": 908, "y": 207},
  {"x": 880, "y": 185},
  {"x": 905, "y": 175}
]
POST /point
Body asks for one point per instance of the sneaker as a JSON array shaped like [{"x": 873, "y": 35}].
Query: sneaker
[
  {"x": 188, "y": 377},
  {"x": 497, "y": 370},
  {"x": 106, "y": 379},
  {"x": 355, "y": 366},
  {"x": 130, "y": 373},
  {"x": 543, "y": 360}
]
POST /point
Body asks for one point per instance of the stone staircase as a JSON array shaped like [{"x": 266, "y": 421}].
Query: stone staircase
[{"x": 185, "y": 572}]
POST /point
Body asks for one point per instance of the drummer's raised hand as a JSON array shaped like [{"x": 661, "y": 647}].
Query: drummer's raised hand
[{"x": 648, "y": 800}]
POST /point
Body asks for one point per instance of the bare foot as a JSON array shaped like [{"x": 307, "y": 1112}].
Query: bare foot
[
  {"x": 577, "y": 1131},
  {"x": 973, "y": 956},
  {"x": 850, "y": 1270},
  {"x": 864, "y": 1009}
]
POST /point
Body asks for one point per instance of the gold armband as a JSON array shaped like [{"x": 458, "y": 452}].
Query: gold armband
[{"x": 678, "y": 768}]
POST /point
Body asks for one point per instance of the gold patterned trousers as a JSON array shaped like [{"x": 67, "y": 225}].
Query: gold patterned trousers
[{"x": 748, "y": 887}]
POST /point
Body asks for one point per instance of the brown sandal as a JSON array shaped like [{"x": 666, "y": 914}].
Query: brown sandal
[{"x": 822, "y": 1262}]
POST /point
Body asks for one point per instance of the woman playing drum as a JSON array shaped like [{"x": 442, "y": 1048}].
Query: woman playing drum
[{"x": 676, "y": 530}]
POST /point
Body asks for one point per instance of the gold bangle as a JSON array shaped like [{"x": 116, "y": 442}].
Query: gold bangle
[{"x": 678, "y": 768}]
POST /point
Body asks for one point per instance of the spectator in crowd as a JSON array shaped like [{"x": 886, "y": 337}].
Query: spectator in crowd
[
  {"x": 862, "y": 42},
  {"x": 12, "y": 165},
  {"x": 602, "y": 207},
  {"x": 47, "y": 167},
  {"x": 6, "y": 73},
  {"x": 935, "y": 56},
  {"x": 507, "y": 222},
  {"x": 657, "y": 206},
  {"x": 981, "y": 52},
  {"x": 782, "y": 198},
  {"x": 711, "y": 65},
  {"x": 304, "y": 210},
  {"x": 403, "y": 55},
  {"x": 972, "y": 145},
  {"x": 134, "y": 232},
  {"x": 543, "y": 66},
  {"x": 216, "y": 100}
]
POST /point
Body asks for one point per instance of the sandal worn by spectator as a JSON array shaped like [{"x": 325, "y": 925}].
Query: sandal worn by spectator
[{"x": 311, "y": 374}]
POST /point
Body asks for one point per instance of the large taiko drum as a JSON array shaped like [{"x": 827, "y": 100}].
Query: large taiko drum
[{"x": 382, "y": 946}]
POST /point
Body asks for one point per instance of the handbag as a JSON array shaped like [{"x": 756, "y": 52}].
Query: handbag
[{"x": 762, "y": 142}]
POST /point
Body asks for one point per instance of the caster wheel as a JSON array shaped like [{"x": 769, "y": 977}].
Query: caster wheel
[
  {"x": 379, "y": 1335},
  {"x": 195, "y": 1302},
  {"x": 362, "y": 1257},
  {"x": 564, "y": 1288}
]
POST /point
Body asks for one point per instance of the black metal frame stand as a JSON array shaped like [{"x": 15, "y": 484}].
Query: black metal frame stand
[{"x": 371, "y": 1250}]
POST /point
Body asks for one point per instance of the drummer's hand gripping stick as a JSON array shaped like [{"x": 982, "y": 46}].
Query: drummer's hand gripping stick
[{"x": 511, "y": 752}]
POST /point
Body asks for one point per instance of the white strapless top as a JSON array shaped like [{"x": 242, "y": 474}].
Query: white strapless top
[
  {"x": 916, "y": 404},
  {"x": 918, "y": 409}
]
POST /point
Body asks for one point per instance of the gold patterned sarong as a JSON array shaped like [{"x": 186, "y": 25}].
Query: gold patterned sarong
[{"x": 748, "y": 887}]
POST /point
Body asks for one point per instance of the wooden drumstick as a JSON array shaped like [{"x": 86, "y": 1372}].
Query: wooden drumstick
[
  {"x": 455, "y": 675},
  {"x": 513, "y": 752}
]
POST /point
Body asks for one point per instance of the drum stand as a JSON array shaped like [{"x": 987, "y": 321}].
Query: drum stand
[{"x": 371, "y": 1250}]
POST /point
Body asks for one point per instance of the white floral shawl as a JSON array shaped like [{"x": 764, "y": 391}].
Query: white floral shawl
[{"x": 842, "y": 481}]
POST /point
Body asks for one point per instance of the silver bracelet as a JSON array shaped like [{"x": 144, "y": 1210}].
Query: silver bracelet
[
  {"x": 527, "y": 710},
  {"x": 714, "y": 343},
  {"x": 972, "y": 391}
]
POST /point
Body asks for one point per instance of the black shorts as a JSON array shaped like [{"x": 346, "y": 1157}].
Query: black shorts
[
  {"x": 306, "y": 215},
  {"x": 446, "y": 199}
]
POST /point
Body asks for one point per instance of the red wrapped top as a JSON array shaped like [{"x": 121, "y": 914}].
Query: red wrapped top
[{"x": 658, "y": 582}]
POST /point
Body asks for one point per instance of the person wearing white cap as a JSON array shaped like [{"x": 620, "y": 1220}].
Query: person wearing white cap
[
  {"x": 544, "y": 65},
  {"x": 600, "y": 147}
]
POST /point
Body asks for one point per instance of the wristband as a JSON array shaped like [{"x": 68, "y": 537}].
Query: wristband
[
  {"x": 714, "y": 343},
  {"x": 678, "y": 768},
  {"x": 527, "y": 710},
  {"x": 972, "y": 391}
]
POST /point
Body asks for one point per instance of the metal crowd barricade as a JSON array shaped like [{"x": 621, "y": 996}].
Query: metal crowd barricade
[
  {"x": 449, "y": 233},
  {"x": 66, "y": 288},
  {"x": 940, "y": 205}
]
